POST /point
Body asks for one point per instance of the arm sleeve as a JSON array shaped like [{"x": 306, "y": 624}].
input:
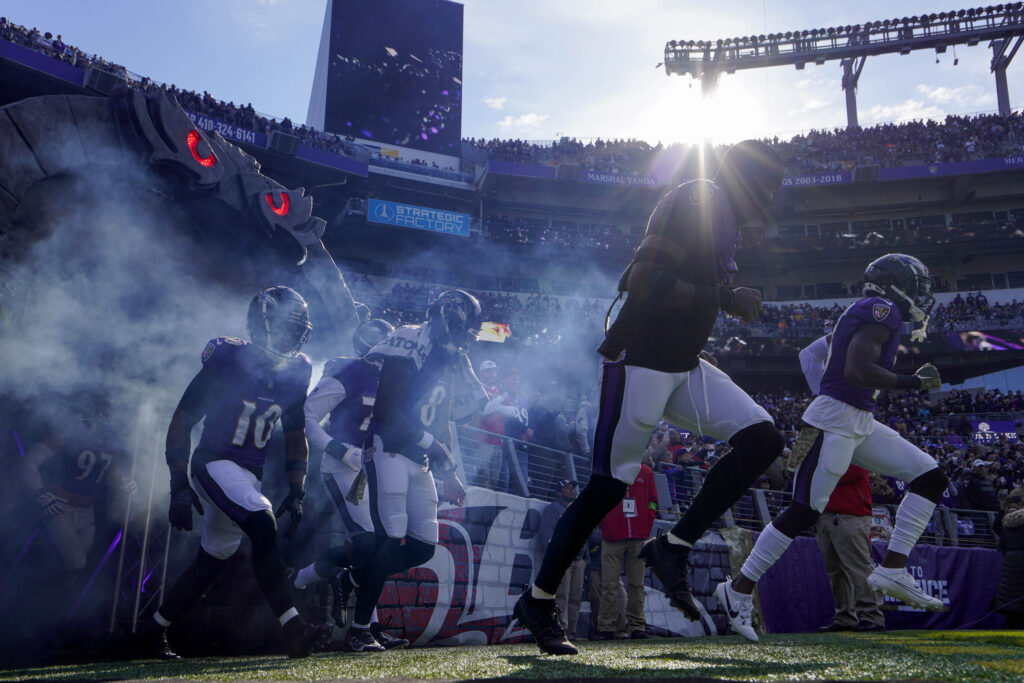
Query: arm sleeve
[
  {"x": 495, "y": 405},
  {"x": 329, "y": 392},
  {"x": 812, "y": 362}
]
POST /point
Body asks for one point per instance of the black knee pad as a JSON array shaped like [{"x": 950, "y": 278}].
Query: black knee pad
[
  {"x": 930, "y": 485},
  {"x": 798, "y": 517},
  {"x": 261, "y": 528},
  {"x": 759, "y": 445},
  {"x": 417, "y": 552}
]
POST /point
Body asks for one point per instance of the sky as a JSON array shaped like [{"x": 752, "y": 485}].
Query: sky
[{"x": 538, "y": 70}]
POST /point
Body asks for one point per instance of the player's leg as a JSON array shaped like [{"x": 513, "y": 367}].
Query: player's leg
[
  {"x": 886, "y": 452},
  {"x": 356, "y": 520},
  {"x": 221, "y": 537},
  {"x": 827, "y": 461},
  {"x": 61, "y": 528},
  {"x": 709, "y": 403},
  {"x": 632, "y": 401}
]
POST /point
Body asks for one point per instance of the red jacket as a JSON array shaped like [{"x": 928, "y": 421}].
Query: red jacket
[
  {"x": 634, "y": 516},
  {"x": 852, "y": 495}
]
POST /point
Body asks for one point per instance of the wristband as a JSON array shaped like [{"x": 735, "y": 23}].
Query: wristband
[
  {"x": 908, "y": 382},
  {"x": 426, "y": 441},
  {"x": 725, "y": 298}
]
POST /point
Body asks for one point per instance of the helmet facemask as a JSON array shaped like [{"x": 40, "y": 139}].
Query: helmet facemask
[{"x": 279, "y": 322}]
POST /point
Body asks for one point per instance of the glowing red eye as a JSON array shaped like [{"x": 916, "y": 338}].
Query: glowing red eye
[
  {"x": 193, "y": 140},
  {"x": 285, "y": 204}
]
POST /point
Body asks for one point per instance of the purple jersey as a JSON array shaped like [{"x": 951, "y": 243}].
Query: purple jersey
[
  {"x": 873, "y": 310},
  {"x": 86, "y": 462},
  {"x": 350, "y": 419},
  {"x": 252, "y": 393}
]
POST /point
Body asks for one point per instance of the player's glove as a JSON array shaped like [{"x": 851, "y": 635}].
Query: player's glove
[
  {"x": 349, "y": 456},
  {"x": 292, "y": 504},
  {"x": 439, "y": 459},
  {"x": 51, "y": 504},
  {"x": 454, "y": 491},
  {"x": 929, "y": 376},
  {"x": 183, "y": 499},
  {"x": 745, "y": 304},
  {"x": 129, "y": 486}
]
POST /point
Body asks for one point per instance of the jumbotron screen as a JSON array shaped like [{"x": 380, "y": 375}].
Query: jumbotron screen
[{"x": 395, "y": 74}]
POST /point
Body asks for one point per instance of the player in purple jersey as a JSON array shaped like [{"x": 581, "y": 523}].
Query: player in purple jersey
[
  {"x": 242, "y": 391},
  {"x": 426, "y": 381},
  {"x": 346, "y": 392},
  {"x": 840, "y": 429}
]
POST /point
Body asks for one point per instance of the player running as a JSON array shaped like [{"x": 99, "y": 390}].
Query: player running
[
  {"x": 675, "y": 287},
  {"x": 346, "y": 392},
  {"x": 242, "y": 390},
  {"x": 426, "y": 380},
  {"x": 839, "y": 429}
]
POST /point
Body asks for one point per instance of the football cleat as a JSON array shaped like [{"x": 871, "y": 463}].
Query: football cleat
[
  {"x": 389, "y": 641},
  {"x": 362, "y": 640},
  {"x": 302, "y": 639},
  {"x": 900, "y": 584},
  {"x": 162, "y": 648},
  {"x": 668, "y": 562},
  {"x": 540, "y": 618},
  {"x": 738, "y": 609},
  {"x": 341, "y": 589}
]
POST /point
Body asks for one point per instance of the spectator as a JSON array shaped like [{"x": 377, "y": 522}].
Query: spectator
[
  {"x": 1009, "y": 600},
  {"x": 623, "y": 532},
  {"x": 570, "y": 590},
  {"x": 843, "y": 533},
  {"x": 980, "y": 487}
]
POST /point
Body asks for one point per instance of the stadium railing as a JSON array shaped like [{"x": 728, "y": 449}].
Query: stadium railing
[{"x": 501, "y": 463}]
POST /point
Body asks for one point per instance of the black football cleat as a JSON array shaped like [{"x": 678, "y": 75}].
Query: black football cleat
[
  {"x": 388, "y": 641},
  {"x": 540, "y": 618},
  {"x": 162, "y": 647},
  {"x": 668, "y": 562},
  {"x": 341, "y": 589},
  {"x": 362, "y": 640},
  {"x": 301, "y": 639}
]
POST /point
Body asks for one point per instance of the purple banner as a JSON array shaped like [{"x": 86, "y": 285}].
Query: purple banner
[
  {"x": 528, "y": 170},
  {"x": 228, "y": 131},
  {"x": 993, "y": 431},
  {"x": 956, "y": 168},
  {"x": 833, "y": 178},
  {"x": 42, "y": 62},
  {"x": 342, "y": 163},
  {"x": 796, "y": 597}
]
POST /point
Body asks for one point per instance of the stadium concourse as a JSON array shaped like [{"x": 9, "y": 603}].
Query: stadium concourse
[{"x": 539, "y": 232}]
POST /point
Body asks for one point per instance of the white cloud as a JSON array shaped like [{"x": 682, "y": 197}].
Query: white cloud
[
  {"x": 495, "y": 102},
  {"x": 525, "y": 122},
  {"x": 962, "y": 96},
  {"x": 902, "y": 111}
]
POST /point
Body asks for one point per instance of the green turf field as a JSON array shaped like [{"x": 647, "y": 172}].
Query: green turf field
[{"x": 938, "y": 655}]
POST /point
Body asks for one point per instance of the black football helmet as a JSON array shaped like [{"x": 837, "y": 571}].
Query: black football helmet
[
  {"x": 905, "y": 281},
  {"x": 455, "y": 317},
  {"x": 370, "y": 333},
  {"x": 278, "y": 321},
  {"x": 750, "y": 172},
  {"x": 362, "y": 311}
]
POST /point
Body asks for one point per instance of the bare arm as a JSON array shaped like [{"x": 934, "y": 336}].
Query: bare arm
[{"x": 862, "y": 368}]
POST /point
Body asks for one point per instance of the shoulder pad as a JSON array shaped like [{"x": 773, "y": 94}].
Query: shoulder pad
[
  {"x": 336, "y": 366},
  {"x": 303, "y": 367},
  {"x": 222, "y": 348},
  {"x": 409, "y": 342},
  {"x": 878, "y": 310},
  {"x": 699, "y": 191}
]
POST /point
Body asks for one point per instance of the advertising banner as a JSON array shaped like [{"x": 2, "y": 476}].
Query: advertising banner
[
  {"x": 418, "y": 217},
  {"x": 992, "y": 431},
  {"x": 228, "y": 131}
]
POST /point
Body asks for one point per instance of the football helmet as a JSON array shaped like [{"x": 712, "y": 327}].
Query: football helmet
[
  {"x": 750, "y": 172},
  {"x": 455, "y": 317},
  {"x": 362, "y": 311},
  {"x": 905, "y": 281},
  {"x": 370, "y": 333},
  {"x": 278, "y": 321}
]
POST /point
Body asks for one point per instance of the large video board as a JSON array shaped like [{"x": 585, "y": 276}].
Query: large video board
[{"x": 395, "y": 73}]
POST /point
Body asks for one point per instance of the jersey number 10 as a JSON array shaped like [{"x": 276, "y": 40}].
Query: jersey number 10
[{"x": 262, "y": 430}]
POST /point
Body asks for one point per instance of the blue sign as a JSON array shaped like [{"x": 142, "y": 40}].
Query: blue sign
[{"x": 418, "y": 217}]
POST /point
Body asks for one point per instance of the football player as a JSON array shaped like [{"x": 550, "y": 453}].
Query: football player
[
  {"x": 651, "y": 368},
  {"x": 426, "y": 381},
  {"x": 346, "y": 392},
  {"x": 242, "y": 390},
  {"x": 839, "y": 429},
  {"x": 68, "y": 469}
]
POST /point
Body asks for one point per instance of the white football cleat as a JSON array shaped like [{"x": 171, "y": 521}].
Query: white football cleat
[
  {"x": 901, "y": 585},
  {"x": 738, "y": 608}
]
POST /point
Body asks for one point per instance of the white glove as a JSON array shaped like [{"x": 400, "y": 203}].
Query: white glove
[
  {"x": 51, "y": 504},
  {"x": 353, "y": 458}
]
